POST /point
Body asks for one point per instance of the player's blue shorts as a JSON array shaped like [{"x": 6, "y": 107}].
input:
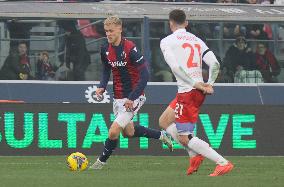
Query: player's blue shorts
[{"x": 185, "y": 128}]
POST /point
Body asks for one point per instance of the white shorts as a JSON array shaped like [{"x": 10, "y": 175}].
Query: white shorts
[{"x": 122, "y": 117}]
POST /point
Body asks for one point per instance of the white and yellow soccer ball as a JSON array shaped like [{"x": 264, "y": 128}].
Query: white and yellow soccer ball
[{"x": 77, "y": 161}]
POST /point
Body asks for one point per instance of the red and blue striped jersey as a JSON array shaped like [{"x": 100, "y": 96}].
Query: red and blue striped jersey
[{"x": 127, "y": 64}]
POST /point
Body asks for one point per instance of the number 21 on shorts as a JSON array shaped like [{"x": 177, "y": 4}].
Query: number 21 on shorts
[
  {"x": 178, "y": 110},
  {"x": 190, "y": 62}
]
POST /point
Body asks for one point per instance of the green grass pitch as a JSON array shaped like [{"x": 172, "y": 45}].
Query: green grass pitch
[{"x": 136, "y": 171}]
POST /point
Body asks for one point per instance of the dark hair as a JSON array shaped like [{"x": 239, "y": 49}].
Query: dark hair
[
  {"x": 67, "y": 25},
  {"x": 240, "y": 39},
  {"x": 22, "y": 42},
  {"x": 178, "y": 16}
]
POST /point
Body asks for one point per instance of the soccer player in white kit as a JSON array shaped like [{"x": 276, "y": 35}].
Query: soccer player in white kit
[{"x": 184, "y": 53}]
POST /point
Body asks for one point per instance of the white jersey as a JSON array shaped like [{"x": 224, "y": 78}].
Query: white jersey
[{"x": 183, "y": 52}]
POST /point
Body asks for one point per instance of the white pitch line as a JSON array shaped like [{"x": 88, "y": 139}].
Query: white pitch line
[{"x": 29, "y": 163}]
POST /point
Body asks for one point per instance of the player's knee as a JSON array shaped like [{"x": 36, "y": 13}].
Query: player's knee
[
  {"x": 112, "y": 135},
  {"x": 189, "y": 137},
  {"x": 183, "y": 140},
  {"x": 128, "y": 134},
  {"x": 113, "y": 132}
]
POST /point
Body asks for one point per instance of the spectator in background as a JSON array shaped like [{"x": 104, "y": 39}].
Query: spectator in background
[
  {"x": 202, "y": 30},
  {"x": 44, "y": 69},
  {"x": 77, "y": 57},
  {"x": 256, "y": 31},
  {"x": 92, "y": 31},
  {"x": 18, "y": 31},
  {"x": 17, "y": 65},
  {"x": 267, "y": 63},
  {"x": 230, "y": 30},
  {"x": 239, "y": 57},
  {"x": 268, "y": 30}
]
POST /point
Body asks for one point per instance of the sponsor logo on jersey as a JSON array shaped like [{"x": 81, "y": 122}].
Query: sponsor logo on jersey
[
  {"x": 185, "y": 37},
  {"x": 117, "y": 63}
]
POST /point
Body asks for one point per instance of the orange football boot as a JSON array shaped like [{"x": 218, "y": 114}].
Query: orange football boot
[
  {"x": 222, "y": 170},
  {"x": 194, "y": 162}
]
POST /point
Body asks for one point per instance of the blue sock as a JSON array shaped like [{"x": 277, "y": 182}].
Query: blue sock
[
  {"x": 110, "y": 145},
  {"x": 141, "y": 131}
]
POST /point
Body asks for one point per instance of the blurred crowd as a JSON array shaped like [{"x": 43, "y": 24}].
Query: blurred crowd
[
  {"x": 199, "y": 1},
  {"x": 73, "y": 55},
  {"x": 226, "y": 1},
  {"x": 210, "y": 1},
  {"x": 247, "y": 55}
]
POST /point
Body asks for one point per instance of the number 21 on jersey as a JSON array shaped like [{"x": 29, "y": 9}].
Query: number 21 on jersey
[
  {"x": 190, "y": 61},
  {"x": 178, "y": 110}
]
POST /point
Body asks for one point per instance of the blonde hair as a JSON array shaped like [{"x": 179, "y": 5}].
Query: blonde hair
[{"x": 113, "y": 20}]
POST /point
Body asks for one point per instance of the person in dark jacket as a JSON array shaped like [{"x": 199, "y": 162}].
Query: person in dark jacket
[
  {"x": 239, "y": 57},
  {"x": 76, "y": 50},
  {"x": 17, "y": 65}
]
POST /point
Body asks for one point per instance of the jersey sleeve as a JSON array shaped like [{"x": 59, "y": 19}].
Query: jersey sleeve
[
  {"x": 210, "y": 59},
  {"x": 138, "y": 60}
]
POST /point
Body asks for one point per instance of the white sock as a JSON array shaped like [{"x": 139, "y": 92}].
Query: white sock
[
  {"x": 172, "y": 130},
  {"x": 204, "y": 149}
]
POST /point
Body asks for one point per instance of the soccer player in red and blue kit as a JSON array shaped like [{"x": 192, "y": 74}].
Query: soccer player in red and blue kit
[{"x": 130, "y": 75}]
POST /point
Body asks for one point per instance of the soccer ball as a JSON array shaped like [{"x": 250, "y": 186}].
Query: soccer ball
[{"x": 77, "y": 162}]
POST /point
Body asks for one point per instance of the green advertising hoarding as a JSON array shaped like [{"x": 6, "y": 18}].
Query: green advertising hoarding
[{"x": 55, "y": 129}]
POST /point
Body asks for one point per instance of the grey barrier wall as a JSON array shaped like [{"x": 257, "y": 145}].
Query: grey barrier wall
[
  {"x": 153, "y": 10},
  {"x": 157, "y": 93},
  {"x": 59, "y": 129}
]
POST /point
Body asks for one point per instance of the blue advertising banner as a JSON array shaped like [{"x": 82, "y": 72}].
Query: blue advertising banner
[{"x": 156, "y": 93}]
